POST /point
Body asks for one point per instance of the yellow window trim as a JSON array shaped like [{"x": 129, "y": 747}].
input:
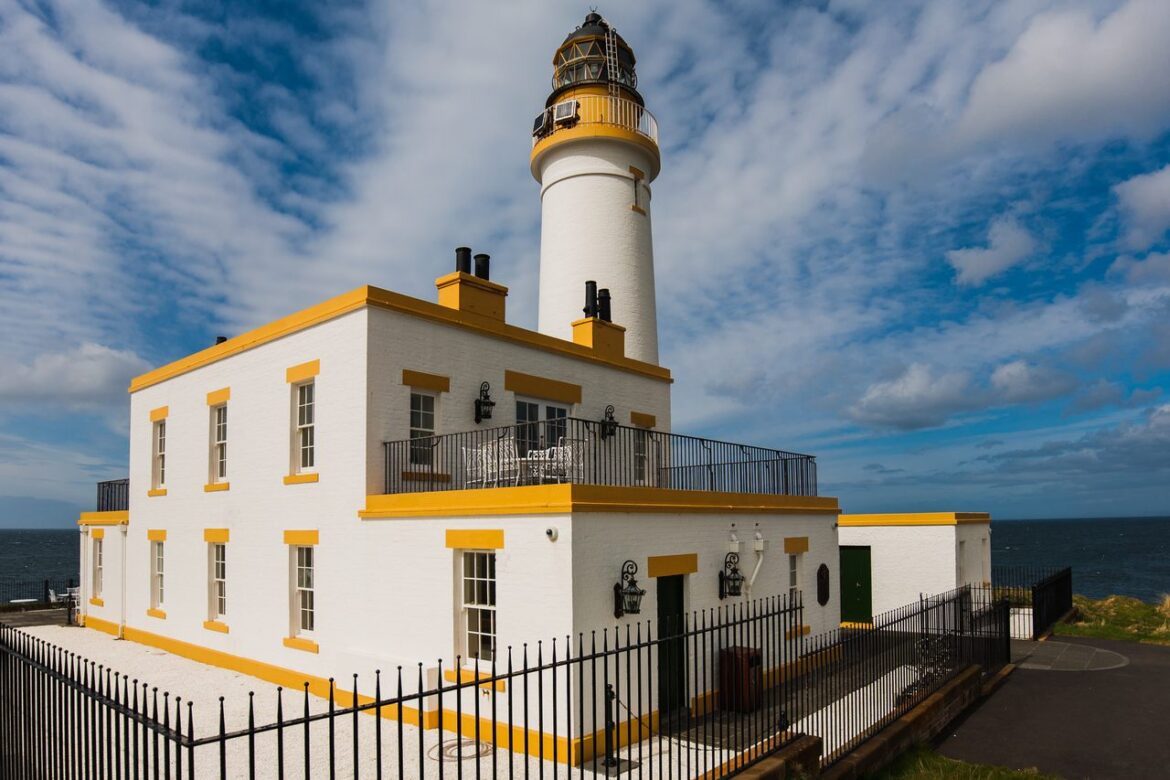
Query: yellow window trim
[
  {"x": 298, "y": 643},
  {"x": 156, "y": 535},
  {"x": 375, "y": 297},
  {"x": 671, "y": 565},
  {"x": 156, "y": 492},
  {"x": 120, "y": 517},
  {"x": 97, "y": 601},
  {"x": 217, "y": 487},
  {"x": 643, "y": 420},
  {"x": 301, "y": 479},
  {"x": 302, "y": 538},
  {"x": 542, "y": 388},
  {"x": 425, "y": 381},
  {"x": 156, "y": 613},
  {"x": 794, "y": 545},
  {"x": 161, "y": 413},
  {"x": 216, "y": 535},
  {"x": 99, "y": 533},
  {"x": 221, "y": 396},
  {"x": 215, "y": 625},
  {"x": 477, "y": 539},
  {"x": 915, "y": 518},
  {"x": 302, "y": 372}
]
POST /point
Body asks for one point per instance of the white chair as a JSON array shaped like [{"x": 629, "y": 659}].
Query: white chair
[
  {"x": 501, "y": 462},
  {"x": 565, "y": 462},
  {"x": 473, "y": 466}
]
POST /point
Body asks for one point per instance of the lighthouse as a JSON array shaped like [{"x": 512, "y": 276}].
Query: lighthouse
[{"x": 595, "y": 152}]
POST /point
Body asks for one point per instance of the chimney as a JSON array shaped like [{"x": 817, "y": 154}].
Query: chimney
[
  {"x": 603, "y": 310},
  {"x": 220, "y": 339},
  {"x": 473, "y": 295},
  {"x": 596, "y": 330},
  {"x": 590, "y": 299}
]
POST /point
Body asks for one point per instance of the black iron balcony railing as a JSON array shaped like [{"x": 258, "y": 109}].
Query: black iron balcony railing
[
  {"x": 113, "y": 495},
  {"x": 592, "y": 452}
]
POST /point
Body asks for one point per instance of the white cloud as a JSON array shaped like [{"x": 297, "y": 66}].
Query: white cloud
[
  {"x": 1145, "y": 205},
  {"x": 91, "y": 376},
  {"x": 1022, "y": 382},
  {"x": 917, "y": 399},
  {"x": 1007, "y": 244}
]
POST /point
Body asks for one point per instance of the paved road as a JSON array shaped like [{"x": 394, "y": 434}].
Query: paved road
[{"x": 1076, "y": 713}]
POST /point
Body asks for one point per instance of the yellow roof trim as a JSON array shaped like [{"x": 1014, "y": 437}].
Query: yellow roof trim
[
  {"x": 121, "y": 517},
  {"x": 562, "y": 499},
  {"x": 915, "y": 518},
  {"x": 404, "y": 304}
]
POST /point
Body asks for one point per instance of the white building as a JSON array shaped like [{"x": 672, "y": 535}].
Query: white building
[
  {"x": 889, "y": 560},
  {"x": 332, "y": 493}
]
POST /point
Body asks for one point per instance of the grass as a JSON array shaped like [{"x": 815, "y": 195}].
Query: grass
[
  {"x": 924, "y": 764},
  {"x": 1119, "y": 617}
]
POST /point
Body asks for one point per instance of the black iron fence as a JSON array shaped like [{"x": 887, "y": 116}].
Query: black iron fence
[
  {"x": 1039, "y": 596},
  {"x": 113, "y": 495},
  {"x": 592, "y": 452},
  {"x": 706, "y": 698},
  {"x": 35, "y": 594}
]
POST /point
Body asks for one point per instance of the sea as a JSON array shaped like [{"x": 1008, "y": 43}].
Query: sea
[{"x": 1124, "y": 556}]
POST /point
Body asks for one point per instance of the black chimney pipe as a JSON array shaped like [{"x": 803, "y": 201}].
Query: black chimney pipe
[
  {"x": 483, "y": 266},
  {"x": 603, "y": 305},
  {"x": 590, "y": 299},
  {"x": 220, "y": 339},
  {"x": 463, "y": 259}
]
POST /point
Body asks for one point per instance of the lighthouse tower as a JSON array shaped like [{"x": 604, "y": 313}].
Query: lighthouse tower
[{"x": 595, "y": 152}]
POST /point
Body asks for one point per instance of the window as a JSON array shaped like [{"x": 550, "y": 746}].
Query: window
[
  {"x": 641, "y": 449},
  {"x": 793, "y": 577},
  {"x": 639, "y": 204},
  {"x": 304, "y": 443},
  {"x": 218, "y": 581},
  {"x": 539, "y": 425},
  {"x": 97, "y": 568},
  {"x": 303, "y": 613},
  {"x": 159, "y": 468},
  {"x": 479, "y": 605},
  {"x": 422, "y": 426},
  {"x": 219, "y": 443},
  {"x": 157, "y": 593}
]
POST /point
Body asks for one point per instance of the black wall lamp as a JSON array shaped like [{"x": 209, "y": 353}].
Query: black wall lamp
[
  {"x": 608, "y": 423},
  {"x": 627, "y": 596},
  {"x": 484, "y": 404},
  {"x": 730, "y": 579}
]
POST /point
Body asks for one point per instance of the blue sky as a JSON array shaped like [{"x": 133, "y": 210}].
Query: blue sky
[{"x": 925, "y": 241}]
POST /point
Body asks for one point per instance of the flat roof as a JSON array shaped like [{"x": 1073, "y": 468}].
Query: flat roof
[
  {"x": 915, "y": 518},
  {"x": 376, "y": 297}
]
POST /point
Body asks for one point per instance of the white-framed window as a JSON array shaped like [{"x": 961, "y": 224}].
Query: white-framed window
[
  {"x": 793, "y": 577},
  {"x": 304, "y": 433},
  {"x": 539, "y": 425},
  {"x": 97, "y": 569},
  {"x": 219, "y": 430},
  {"x": 641, "y": 454},
  {"x": 478, "y": 607},
  {"x": 159, "y": 459},
  {"x": 422, "y": 426},
  {"x": 217, "y": 581},
  {"x": 157, "y": 575},
  {"x": 303, "y": 580}
]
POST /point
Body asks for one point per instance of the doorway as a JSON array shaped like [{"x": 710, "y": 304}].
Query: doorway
[
  {"x": 672, "y": 648},
  {"x": 856, "y": 585}
]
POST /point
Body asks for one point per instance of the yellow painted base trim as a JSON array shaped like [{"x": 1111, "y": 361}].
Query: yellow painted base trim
[
  {"x": 470, "y": 675},
  {"x": 156, "y": 613},
  {"x": 854, "y": 624},
  {"x": 563, "y": 499},
  {"x": 97, "y": 624},
  {"x": 156, "y": 492},
  {"x": 215, "y": 625},
  {"x": 216, "y": 487},
  {"x": 305, "y": 645},
  {"x": 104, "y": 518},
  {"x": 97, "y": 602},
  {"x": 301, "y": 479},
  {"x": 793, "y": 633},
  {"x": 915, "y": 518}
]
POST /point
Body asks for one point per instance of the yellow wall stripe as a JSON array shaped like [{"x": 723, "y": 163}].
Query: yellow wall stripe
[
  {"x": 160, "y": 413},
  {"x": 425, "y": 381},
  {"x": 671, "y": 565},
  {"x": 794, "y": 545},
  {"x": 121, "y": 517},
  {"x": 301, "y": 537},
  {"x": 302, "y": 371},
  {"x": 156, "y": 535},
  {"x": 105, "y": 626},
  {"x": 478, "y": 539},
  {"x": 221, "y": 396},
  {"x": 539, "y": 387},
  {"x": 216, "y": 535}
]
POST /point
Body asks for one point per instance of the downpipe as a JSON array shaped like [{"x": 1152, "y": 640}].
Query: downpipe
[{"x": 122, "y": 597}]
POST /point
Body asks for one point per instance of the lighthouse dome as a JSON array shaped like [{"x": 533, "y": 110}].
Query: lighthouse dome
[{"x": 585, "y": 58}]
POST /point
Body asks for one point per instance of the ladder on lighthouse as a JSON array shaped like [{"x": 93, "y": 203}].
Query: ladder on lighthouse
[{"x": 611, "y": 72}]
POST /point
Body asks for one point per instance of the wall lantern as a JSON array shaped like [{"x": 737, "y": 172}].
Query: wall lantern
[
  {"x": 608, "y": 423},
  {"x": 627, "y": 597},
  {"x": 730, "y": 579},
  {"x": 484, "y": 404}
]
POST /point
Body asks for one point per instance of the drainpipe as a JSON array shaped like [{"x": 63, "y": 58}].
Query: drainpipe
[
  {"x": 759, "y": 545},
  {"x": 122, "y": 609},
  {"x": 86, "y": 576}
]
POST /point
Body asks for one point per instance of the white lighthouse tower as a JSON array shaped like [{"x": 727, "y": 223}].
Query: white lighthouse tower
[{"x": 595, "y": 152}]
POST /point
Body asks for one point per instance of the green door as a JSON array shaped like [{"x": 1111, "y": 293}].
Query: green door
[
  {"x": 856, "y": 587},
  {"x": 672, "y": 647}
]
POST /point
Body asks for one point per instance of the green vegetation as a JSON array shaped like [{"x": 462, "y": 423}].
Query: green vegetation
[
  {"x": 925, "y": 764},
  {"x": 1119, "y": 617}
]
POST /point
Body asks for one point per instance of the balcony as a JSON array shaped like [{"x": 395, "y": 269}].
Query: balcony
[
  {"x": 595, "y": 110},
  {"x": 113, "y": 495},
  {"x": 592, "y": 452}
]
